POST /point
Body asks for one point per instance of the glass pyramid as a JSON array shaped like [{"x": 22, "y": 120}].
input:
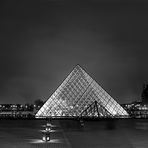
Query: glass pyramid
[{"x": 79, "y": 95}]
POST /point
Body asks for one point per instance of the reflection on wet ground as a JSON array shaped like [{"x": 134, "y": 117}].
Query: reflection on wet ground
[
  {"x": 119, "y": 133},
  {"x": 141, "y": 125}
]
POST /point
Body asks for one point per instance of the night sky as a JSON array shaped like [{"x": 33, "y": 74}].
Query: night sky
[{"x": 41, "y": 41}]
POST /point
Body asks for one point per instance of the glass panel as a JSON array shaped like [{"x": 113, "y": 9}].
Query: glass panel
[{"x": 77, "y": 93}]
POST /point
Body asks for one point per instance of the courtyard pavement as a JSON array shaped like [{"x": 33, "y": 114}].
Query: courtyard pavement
[{"x": 69, "y": 134}]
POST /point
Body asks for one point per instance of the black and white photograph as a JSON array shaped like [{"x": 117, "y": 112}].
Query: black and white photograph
[{"x": 73, "y": 74}]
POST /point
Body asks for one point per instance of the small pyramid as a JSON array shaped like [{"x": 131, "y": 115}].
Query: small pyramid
[{"x": 75, "y": 96}]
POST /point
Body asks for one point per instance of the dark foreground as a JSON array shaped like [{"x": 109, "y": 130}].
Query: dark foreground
[{"x": 121, "y": 133}]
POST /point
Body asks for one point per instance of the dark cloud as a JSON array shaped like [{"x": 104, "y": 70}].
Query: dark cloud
[{"x": 41, "y": 41}]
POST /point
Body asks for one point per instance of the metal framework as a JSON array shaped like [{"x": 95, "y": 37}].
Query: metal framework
[
  {"x": 95, "y": 110},
  {"x": 80, "y": 95}
]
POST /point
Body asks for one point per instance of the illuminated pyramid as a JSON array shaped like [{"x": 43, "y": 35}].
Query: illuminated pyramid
[{"x": 80, "y": 96}]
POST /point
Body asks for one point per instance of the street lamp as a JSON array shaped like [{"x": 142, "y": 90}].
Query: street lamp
[
  {"x": 46, "y": 136},
  {"x": 47, "y": 131}
]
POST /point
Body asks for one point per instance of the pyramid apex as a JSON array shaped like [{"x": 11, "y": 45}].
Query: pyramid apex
[{"x": 78, "y": 66}]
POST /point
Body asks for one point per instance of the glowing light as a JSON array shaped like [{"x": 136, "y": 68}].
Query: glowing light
[
  {"x": 76, "y": 94},
  {"x": 41, "y": 141}
]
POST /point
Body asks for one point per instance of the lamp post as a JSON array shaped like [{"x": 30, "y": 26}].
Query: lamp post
[
  {"x": 46, "y": 133},
  {"x": 46, "y": 136}
]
